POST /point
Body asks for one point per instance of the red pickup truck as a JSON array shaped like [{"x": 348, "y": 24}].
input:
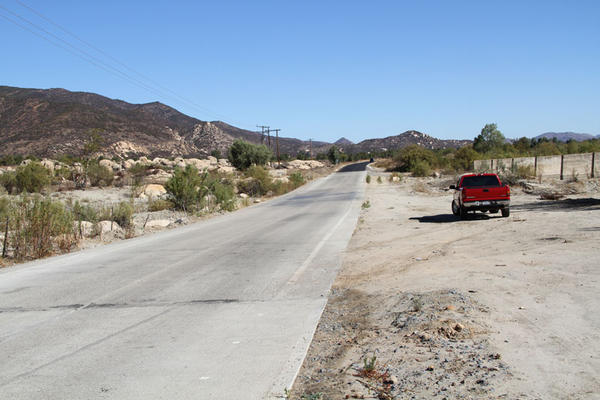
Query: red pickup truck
[{"x": 480, "y": 192}]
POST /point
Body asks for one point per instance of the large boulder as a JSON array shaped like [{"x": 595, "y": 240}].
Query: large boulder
[
  {"x": 49, "y": 164},
  {"x": 109, "y": 230},
  {"x": 111, "y": 165},
  {"x": 154, "y": 191},
  {"x": 157, "y": 176},
  {"x": 85, "y": 229}
]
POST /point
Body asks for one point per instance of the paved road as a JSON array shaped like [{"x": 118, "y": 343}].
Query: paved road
[{"x": 222, "y": 309}]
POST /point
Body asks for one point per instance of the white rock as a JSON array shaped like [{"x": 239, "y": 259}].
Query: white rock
[
  {"x": 109, "y": 230},
  {"x": 157, "y": 176},
  {"x": 86, "y": 228},
  {"x": 244, "y": 195},
  {"x": 49, "y": 164},
  {"x": 111, "y": 165},
  {"x": 158, "y": 223},
  {"x": 154, "y": 190}
]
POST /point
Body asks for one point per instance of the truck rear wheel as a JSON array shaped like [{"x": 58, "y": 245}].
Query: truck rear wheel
[
  {"x": 505, "y": 212},
  {"x": 462, "y": 212},
  {"x": 455, "y": 210}
]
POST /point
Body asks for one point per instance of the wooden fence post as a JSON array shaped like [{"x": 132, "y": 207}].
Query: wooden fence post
[
  {"x": 562, "y": 164},
  {"x": 593, "y": 163}
]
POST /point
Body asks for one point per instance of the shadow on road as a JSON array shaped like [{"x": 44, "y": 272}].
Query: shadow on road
[
  {"x": 361, "y": 166},
  {"x": 560, "y": 205}
]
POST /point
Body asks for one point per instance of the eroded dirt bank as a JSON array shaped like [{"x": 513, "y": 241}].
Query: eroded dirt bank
[{"x": 485, "y": 308}]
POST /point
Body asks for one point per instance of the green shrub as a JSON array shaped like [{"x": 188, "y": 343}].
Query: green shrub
[
  {"x": 31, "y": 178},
  {"x": 8, "y": 180},
  {"x": 296, "y": 179},
  {"x": 243, "y": 154},
  {"x": 85, "y": 212},
  {"x": 122, "y": 214},
  {"x": 37, "y": 225},
  {"x": 421, "y": 168},
  {"x": 159, "y": 205},
  {"x": 183, "y": 187},
  {"x": 407, "y": 158},
  {"x": 99, "y": 175},
  {"x": 379, "y": 180},
  {"x": 258, "y": 182},
  {"x": 224, "y": 194},
  {"x": 464, "y": 157},
  {"x": 368, "y": 178}
]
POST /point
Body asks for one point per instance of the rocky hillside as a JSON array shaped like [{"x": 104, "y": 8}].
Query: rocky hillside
[
  {"x": 404, "y": 139},
  {"x": 566, "y": 136},
  {"x": 53, "y": 122}
]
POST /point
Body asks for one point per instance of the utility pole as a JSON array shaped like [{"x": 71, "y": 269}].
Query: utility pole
[
  {"x": 310, "y": 151},
  {"x": 262, "y": 131},
  {"x": 277, "y": 144}
]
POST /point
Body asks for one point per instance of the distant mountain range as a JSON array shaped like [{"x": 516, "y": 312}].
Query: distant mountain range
[
  {"x": 566, "y": 136},
  {"x": 51, "y": 122}
]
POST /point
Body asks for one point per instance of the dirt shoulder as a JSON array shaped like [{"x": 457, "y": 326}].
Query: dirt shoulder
[{"x": 484, "y": 308}]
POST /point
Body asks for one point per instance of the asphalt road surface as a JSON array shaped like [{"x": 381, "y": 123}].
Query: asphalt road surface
[{"x": 222, "y": 309}]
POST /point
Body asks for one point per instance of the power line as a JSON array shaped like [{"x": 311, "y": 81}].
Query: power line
[
  {"x": 158, "y": 90},
  {"x": 65, "y": 30}
]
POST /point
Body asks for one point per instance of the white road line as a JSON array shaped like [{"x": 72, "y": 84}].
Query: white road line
[{"x": 316, "y": 250}]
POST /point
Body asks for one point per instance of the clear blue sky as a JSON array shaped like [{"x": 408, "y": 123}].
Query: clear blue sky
[{"x": 327, "y": 69}]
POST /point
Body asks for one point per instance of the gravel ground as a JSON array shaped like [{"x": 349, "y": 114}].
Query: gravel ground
[{"x": 486, "y": 308}]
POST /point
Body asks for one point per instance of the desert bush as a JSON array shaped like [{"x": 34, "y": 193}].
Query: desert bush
[
  {"x": 9, "y": 182},
  {"x": 99, "y": 175},
  {"x": 407, "y": 158},
  {"x": 224, "y": 195},
  {"x": 258, "y": 182},
  {"x": 122, "y": 214},
  {"x": 420, "y": 168},
  {"x": 85, "y": 212},
  {"x": 463, "y": 158},
  {"x": 159, "y": 205},
  {"x": 31, "y": 178},
  {"x": 368, "y": 178},
  {"x": 296, "y": 179},
  {"x": 182, "y": 188},
  {"x": 11, "y": 159},
  {"x": 512, "y": 175},
  {"x": 38, "y": 225},
  {"x": 243, "y": 154},
  {"x": 379, "y": 180}
]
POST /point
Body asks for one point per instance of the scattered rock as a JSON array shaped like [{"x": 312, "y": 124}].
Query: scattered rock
[
  {"x": 154, "y": 190},
  {"x": 158, "y": 223}
]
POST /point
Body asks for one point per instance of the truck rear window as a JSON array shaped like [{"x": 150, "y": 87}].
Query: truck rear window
[{"x": 478, "y": 181}]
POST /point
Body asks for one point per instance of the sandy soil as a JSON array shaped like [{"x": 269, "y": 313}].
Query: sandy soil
[{"x": 485, "y": 308}]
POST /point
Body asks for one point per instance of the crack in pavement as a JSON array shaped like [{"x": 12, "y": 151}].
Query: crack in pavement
[{"x": 116, "y": 305}]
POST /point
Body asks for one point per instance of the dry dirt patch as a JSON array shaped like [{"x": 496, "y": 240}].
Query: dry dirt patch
[{"x": 485, "y": 308}]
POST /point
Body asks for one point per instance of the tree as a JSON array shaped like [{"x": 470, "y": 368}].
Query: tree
[
  {"x": 489, "y": 139},
  {"x": 243, "y": 154},
  {"x": 408, "y": 157},
  {"x": 464, "y": 157},
  {"x": 333, "y": 154}
]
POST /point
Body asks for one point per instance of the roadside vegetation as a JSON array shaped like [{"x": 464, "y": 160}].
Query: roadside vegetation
[{"x": 41, "y": 213}]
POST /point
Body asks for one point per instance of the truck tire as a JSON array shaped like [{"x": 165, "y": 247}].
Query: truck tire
[
  {"x": 505, "y": 212},
  {"x": 455, "y": 209},
  {"x": 462, "y": 212}
]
